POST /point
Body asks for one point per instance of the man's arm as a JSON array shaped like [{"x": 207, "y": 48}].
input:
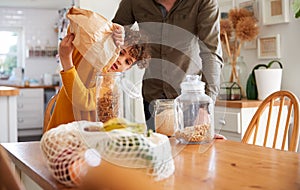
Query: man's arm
[{"x": 210, "y": 46}]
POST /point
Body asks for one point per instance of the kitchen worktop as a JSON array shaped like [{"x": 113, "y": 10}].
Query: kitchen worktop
[
  {"x": 8, "y": 91},
  {"x": 243, "y": 103},
  {"x": 14, "y": 84}
]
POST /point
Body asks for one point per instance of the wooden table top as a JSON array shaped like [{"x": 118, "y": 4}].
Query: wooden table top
[{"x": 220, "y": 165}]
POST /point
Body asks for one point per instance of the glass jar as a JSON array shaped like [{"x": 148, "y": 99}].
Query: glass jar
[
  {"x": 109, "y": 100},
  {"x": 194, "y": 112},
  {"x": 164, "y": 116}
]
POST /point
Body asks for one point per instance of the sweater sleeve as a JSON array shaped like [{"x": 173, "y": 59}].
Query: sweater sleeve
[
  {"x": 210, "y": 45},
  {"x": 81, "y": 97}
]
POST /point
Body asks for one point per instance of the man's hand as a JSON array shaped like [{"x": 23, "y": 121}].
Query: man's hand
[
  {"x": 218, "y": 136},
  {"x": 65, "y": 51}
]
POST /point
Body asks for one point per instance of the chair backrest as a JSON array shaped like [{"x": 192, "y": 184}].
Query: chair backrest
[
  {"x": 48, "y": 111},
  {"x": 8, "y": 178},
  {"x": 283, "y": 106}
]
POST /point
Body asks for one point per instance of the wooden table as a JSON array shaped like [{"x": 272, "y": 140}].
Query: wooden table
[{"x": 222, "y": 165}]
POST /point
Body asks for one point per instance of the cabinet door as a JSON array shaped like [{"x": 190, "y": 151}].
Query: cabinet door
[{"x": 30, "y": 106}]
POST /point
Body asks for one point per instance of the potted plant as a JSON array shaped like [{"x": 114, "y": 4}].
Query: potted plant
[{"x": 296, "y": 8}]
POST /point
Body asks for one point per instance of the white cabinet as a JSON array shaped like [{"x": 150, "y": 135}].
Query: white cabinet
[
  {"x": 8, "y": 114},
  {"x": 233, "y": 117},
  {"x": 30, "y": 106}
]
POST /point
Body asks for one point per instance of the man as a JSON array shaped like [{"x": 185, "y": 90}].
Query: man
[{"x": 179, "y": 31}]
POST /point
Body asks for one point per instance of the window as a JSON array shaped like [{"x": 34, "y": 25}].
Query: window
[{"x": 10, "y": 51}]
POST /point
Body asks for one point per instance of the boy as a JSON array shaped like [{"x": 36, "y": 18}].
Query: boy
[{"x": 76, "y": 99}]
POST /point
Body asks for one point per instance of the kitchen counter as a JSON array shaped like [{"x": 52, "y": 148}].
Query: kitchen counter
[
  {"x": 9, "y": 91},
  {"x": 243, "y": 103},
  {"x": 26, "y": 104},
  {"x": 15, "y": 84}
]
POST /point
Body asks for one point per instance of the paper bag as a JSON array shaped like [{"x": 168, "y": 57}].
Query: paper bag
[{"x": 93, "y": 37}]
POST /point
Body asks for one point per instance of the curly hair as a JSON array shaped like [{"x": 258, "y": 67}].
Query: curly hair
[{"x": 137, "y": 40}]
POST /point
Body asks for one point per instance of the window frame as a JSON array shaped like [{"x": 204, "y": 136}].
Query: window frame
[{"x": 20, "y": 44}]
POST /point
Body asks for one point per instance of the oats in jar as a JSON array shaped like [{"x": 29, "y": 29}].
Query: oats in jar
[{"x": 194, "y": 134}]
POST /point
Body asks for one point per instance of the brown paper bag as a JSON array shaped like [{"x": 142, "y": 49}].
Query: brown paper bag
[{"x": 93, "y": 37}]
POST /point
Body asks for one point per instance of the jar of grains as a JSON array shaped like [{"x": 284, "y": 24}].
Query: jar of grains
[
  {"x": 164, "y": 116},
  {"x": 194, "y": 112},
  {"x": 109, "y": 97}
]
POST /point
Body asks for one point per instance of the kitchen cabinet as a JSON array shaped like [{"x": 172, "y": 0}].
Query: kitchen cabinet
[
  {"x": 30, "y": 109},
  {"x": 233, "y": 117},
  {"x": 8, "y": 114},
  {"x": 233, "y": 122}
]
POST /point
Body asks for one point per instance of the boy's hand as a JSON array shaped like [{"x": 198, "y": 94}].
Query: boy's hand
[
  {"x": 65, "y": 51},
  {"x": 118, "y": 34}
]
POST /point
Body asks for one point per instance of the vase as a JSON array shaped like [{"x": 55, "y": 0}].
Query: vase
[{"x": 236, "y": 72}]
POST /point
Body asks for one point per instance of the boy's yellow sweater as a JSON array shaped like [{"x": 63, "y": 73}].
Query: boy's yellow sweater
[{"x": 76, "y": 99}]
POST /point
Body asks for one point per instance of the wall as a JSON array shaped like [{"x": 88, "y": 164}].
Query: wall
[
  {"x": 103, "y": 7},
  {"x": 37, "y": 29},
  {"x": 289, "y": 40}
]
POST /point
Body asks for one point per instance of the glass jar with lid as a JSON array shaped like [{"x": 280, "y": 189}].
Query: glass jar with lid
[
  {"x": 194, "y": 112},
  {"x": 164, "y": 116},
  {"x": 109, "y": 97}
]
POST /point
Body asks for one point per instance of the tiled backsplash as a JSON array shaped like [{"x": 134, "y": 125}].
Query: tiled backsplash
[{"x": 38, "y": 29}]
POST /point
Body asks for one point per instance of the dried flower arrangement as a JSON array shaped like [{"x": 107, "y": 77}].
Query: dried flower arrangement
[{"x": 240, "y": 26}]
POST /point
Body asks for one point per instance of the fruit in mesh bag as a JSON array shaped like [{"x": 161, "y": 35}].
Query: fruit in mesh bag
[
  {"x": 66, "y": 147},
  {"x": 77, "y": 170},
  {"x": 132, "y": 150}
]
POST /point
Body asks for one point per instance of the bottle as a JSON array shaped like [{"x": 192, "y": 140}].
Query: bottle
[
  {"x": 164, "y": 116},
  {"x": 109, "y": 99},
  {"x": 194, "y": 112}
]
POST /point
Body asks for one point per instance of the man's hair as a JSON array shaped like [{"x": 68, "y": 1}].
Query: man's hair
[{"x": 137, "y": 40}]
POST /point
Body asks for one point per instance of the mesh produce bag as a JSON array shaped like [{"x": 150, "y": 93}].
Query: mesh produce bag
[{"x": 65, "y": 149}]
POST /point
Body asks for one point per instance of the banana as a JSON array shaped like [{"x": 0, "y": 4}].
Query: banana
[
  {"x": 121, "y": 123},
  {"x": 115, "y": 123}
]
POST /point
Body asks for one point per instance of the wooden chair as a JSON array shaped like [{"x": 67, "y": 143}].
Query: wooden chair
[
  {"x": 48, "y": 111},
  {"x": 8, "y": 178},
  {"x": 276, "y": 103}
]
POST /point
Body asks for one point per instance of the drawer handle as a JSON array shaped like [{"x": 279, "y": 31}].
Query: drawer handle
[
  {"x": 222, "y": 122},
  {"x": 20, "y": 120}
]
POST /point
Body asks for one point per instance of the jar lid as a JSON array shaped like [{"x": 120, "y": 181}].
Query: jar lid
[{"x": 192, "y": 83}]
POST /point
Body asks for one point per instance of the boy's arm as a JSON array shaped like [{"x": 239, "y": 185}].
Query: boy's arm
[{"x": 81, "y": 97}]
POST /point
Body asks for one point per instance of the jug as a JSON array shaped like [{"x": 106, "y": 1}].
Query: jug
[{"x": 194, "y": 112}]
